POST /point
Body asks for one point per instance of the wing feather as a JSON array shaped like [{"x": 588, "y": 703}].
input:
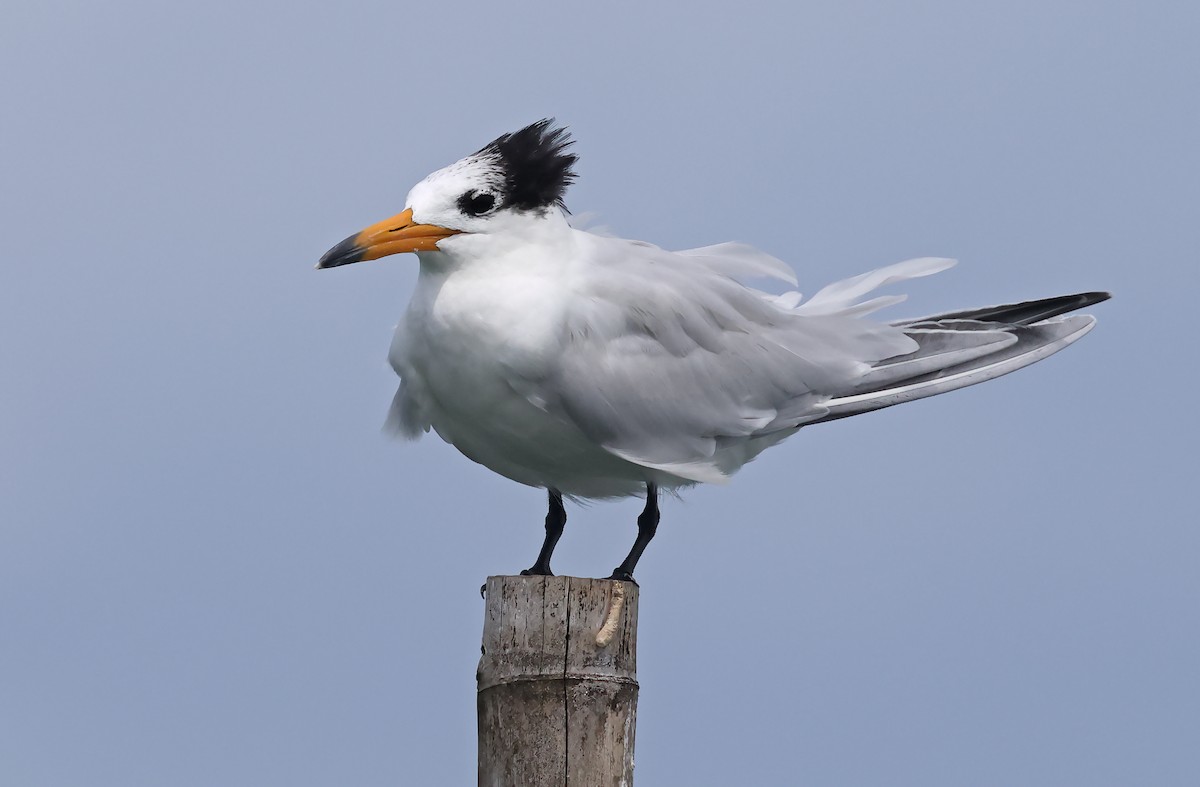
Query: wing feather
[{"x": 672, "y": 363}]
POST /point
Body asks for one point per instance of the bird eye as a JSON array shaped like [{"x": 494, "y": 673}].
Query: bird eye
[{"x": 476, "y": 203}]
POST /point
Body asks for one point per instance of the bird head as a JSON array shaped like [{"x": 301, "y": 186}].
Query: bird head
[{"x": 515, "y": 177}]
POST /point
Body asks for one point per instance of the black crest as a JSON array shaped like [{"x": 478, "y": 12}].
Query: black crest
[{"x": 537, "y": 169}]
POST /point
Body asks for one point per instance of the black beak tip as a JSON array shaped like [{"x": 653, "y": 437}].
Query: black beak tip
[{"x": 344, "y": 253}]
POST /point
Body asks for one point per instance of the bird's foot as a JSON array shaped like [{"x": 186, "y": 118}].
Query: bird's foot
[
  {"x": 621, "y": 575},
  {"x": 536, "y": 571}
]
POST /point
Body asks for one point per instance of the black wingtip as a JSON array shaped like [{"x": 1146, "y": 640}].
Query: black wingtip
[{"x": 1027, "y": 312}]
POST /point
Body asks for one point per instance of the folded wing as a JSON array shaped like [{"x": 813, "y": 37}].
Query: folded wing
[{"x": 673, "y": 364}]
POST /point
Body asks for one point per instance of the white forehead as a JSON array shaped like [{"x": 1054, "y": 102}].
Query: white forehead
[{"x": 446, "y": 185}]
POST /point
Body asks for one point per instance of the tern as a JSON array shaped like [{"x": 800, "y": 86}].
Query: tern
[{"x": 598, "y": 367}]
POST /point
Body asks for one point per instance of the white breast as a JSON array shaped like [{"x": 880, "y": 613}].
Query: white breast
[{"x": 471, "y": 340}]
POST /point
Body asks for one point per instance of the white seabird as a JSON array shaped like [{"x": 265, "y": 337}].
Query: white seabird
[{"x": 598, "y": 367}]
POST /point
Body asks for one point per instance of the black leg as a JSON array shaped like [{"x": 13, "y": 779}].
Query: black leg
[
  {"x": 647, "y": 525},
  {"x": 556, "y": 518}
]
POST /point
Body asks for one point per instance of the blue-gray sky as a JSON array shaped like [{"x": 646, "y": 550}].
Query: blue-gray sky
[{"x": 214, "y": 569}]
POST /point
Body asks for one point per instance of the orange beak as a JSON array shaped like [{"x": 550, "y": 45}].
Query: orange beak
[{"x": 396, "y": 235}]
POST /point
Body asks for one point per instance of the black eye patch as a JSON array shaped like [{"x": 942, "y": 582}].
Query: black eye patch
[{"x": 476, "y": 203}]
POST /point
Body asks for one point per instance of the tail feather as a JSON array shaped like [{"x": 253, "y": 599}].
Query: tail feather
[
  {"x": 1033, "y": 343},
  {"x": 939, "y": 349},
  {"x": 963, "y": 348}
]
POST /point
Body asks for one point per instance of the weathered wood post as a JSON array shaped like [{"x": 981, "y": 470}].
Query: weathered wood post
[{"x": 557, "y": 683}]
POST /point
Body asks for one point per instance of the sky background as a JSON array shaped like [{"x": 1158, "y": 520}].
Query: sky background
[{"x": 216, "y": 570}]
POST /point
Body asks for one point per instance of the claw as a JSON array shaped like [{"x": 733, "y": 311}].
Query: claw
[{"x": 622, "y": 576}]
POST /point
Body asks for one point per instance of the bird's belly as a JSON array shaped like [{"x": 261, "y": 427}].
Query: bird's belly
[
  {"x": 470, "y": 377},
  {"x": 499, "y": 428}
]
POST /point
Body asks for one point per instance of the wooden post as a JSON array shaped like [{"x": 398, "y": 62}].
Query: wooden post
[{"x": 557, "y": 683}]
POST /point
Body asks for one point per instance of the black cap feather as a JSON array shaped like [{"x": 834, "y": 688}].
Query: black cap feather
[{"x": 537, "y": 169}]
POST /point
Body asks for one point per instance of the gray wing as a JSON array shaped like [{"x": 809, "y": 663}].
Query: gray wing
[{"x": 667, "y": 360}]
